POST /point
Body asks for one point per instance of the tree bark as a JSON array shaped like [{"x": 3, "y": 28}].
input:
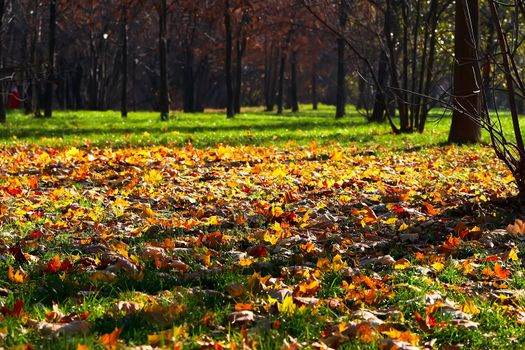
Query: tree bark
[
  {"x": 241, "y": 47},
  {"x": 315, "y": 98},
  {"x": 188, "y": 82},
  {"x": 124, "y": 92},
  {"x": 466, "y": 90},
  {"x": 3, "y": 116},
  {"x": 268, "y": 76},
  {"x": 163, "y": 51},
  {"x": 228, "y": 62},
  {"x": 280, "y": 93},
  {"x": 341, "y": 69},
  {"x": 293, "y": 84},
  {"x": 48, "y": 108},
  {"x": 378, "y": 113}
]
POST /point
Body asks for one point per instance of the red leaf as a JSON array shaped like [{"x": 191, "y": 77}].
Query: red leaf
[
  {"x": 54, "y": 264},
  {"x": 18, "y": 308},
  {"x": 18, "y": 254},
  {"x": 258, "y": 251}
]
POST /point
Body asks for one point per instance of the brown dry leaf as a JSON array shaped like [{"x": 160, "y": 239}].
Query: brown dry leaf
[
  {"x": 128, "y": 307},
  {"x": 152, "y": 253},
  {"x": 61, "y": 329},
  {"x": 236, "y": 289},
  {"x": 518, "y": 228},
  {"x": 103, "y": 276}
]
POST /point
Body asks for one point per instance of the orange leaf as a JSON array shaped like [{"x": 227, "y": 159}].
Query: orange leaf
[
  {"x": 54, "y": 264},
  {"x": 500, "y": 272},
  {"x": 308, "y": 288},
  {"x": 19, "y": 277},
  {"x": 110, "y": 340},
  {"x": 243, "y": 307}
]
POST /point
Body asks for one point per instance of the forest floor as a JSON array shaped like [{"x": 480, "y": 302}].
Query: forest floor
[{"x": 260, "y": 232}]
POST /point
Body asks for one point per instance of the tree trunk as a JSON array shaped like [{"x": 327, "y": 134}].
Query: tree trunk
[
  {"x": 228, "y": 63},
  {"x": 134, "y": 82},
  {"x": 268, "y": 76},
  {"x": 48, "y": 108},
  {"x": 487, "y": 76},
  {"x": 293, "y": 84},
  {"x": 401, "y": 102},
  {"x": 341, "y": 71},
  {"x": 188, "y": 82},
  {"x": 163, "y": 51},
  {"x": 315, "y": 99},
  {"x": 124, "y": 92},
  {"x": 241, "y": 47},
  {"x": 424, "y": 109},
  {"x": 466, "y": 90},
  {"x": 280, "y": 93},
  {"x": 378, "y": 113},
  {"x": 3, "y": 117}
]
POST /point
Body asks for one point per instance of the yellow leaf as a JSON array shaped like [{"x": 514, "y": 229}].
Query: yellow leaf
[
  {"x": 246, "y": 262},
  {"x": 403, "y": 227},
  {"x": 401, "y": 264},
  {"x": 391, "y": 221},
  {"x": 287, "y": 307},
  {"x": 213, "y": 220},
  {"x": 438, "y": 266},
  {"x": 153, "y": 177},
  {"x": 270, "y": 238},
  {"x": 513, "y": 254},
  {"x": 469, "y": 308},
  {"x": 402, "y": 336},
  {"x": 276, "y": 227}
]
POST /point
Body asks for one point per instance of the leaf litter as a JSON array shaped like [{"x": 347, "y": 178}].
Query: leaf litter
[{"x": 258, "y": 238}]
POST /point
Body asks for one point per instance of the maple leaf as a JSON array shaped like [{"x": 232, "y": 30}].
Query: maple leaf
[
  {"x": 17, "y": 277},
  {"x": 308, "y": 288}
]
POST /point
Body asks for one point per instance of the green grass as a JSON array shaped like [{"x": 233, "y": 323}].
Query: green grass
[
  {"x": 252, "y": 127},
  {"x": 208, "y": 129}
]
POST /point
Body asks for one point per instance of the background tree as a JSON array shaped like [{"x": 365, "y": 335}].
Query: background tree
[
  {"x": 467, "y": 91},
  {"x": 2, "y": 108},
  {"x": 48, "y": 107},
  {"x": 164, "y": 108}
]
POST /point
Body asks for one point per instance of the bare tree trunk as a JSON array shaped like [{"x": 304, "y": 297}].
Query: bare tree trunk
[
  {"x": 341, "y": 69},
  {"x": 401, "y": 102},
  {"x": 293, "y": 84},
  {"x": 124, "y": 92},
  {"x": 466, "y": 90},
  {"x": 280, "y": 93},
  {"x": 48, "y": 108},
  {"x": 268, "y": 76},
  {"x": 163, "y": 51},
  {"x": 241, "y": 47},
  {"x": 228, "y": 63},
  {"x": 3, "y": 117},
  {"x": 315, "y": 99},
  {"x": 188, "y": 82},
  {"x": 134, "y": 79},
  {"x": 378, "y": 113}
]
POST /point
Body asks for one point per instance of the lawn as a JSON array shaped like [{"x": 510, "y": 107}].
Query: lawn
[
  {"x": 264, "y": 232},
  {"x": 258, "y": 128}
]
